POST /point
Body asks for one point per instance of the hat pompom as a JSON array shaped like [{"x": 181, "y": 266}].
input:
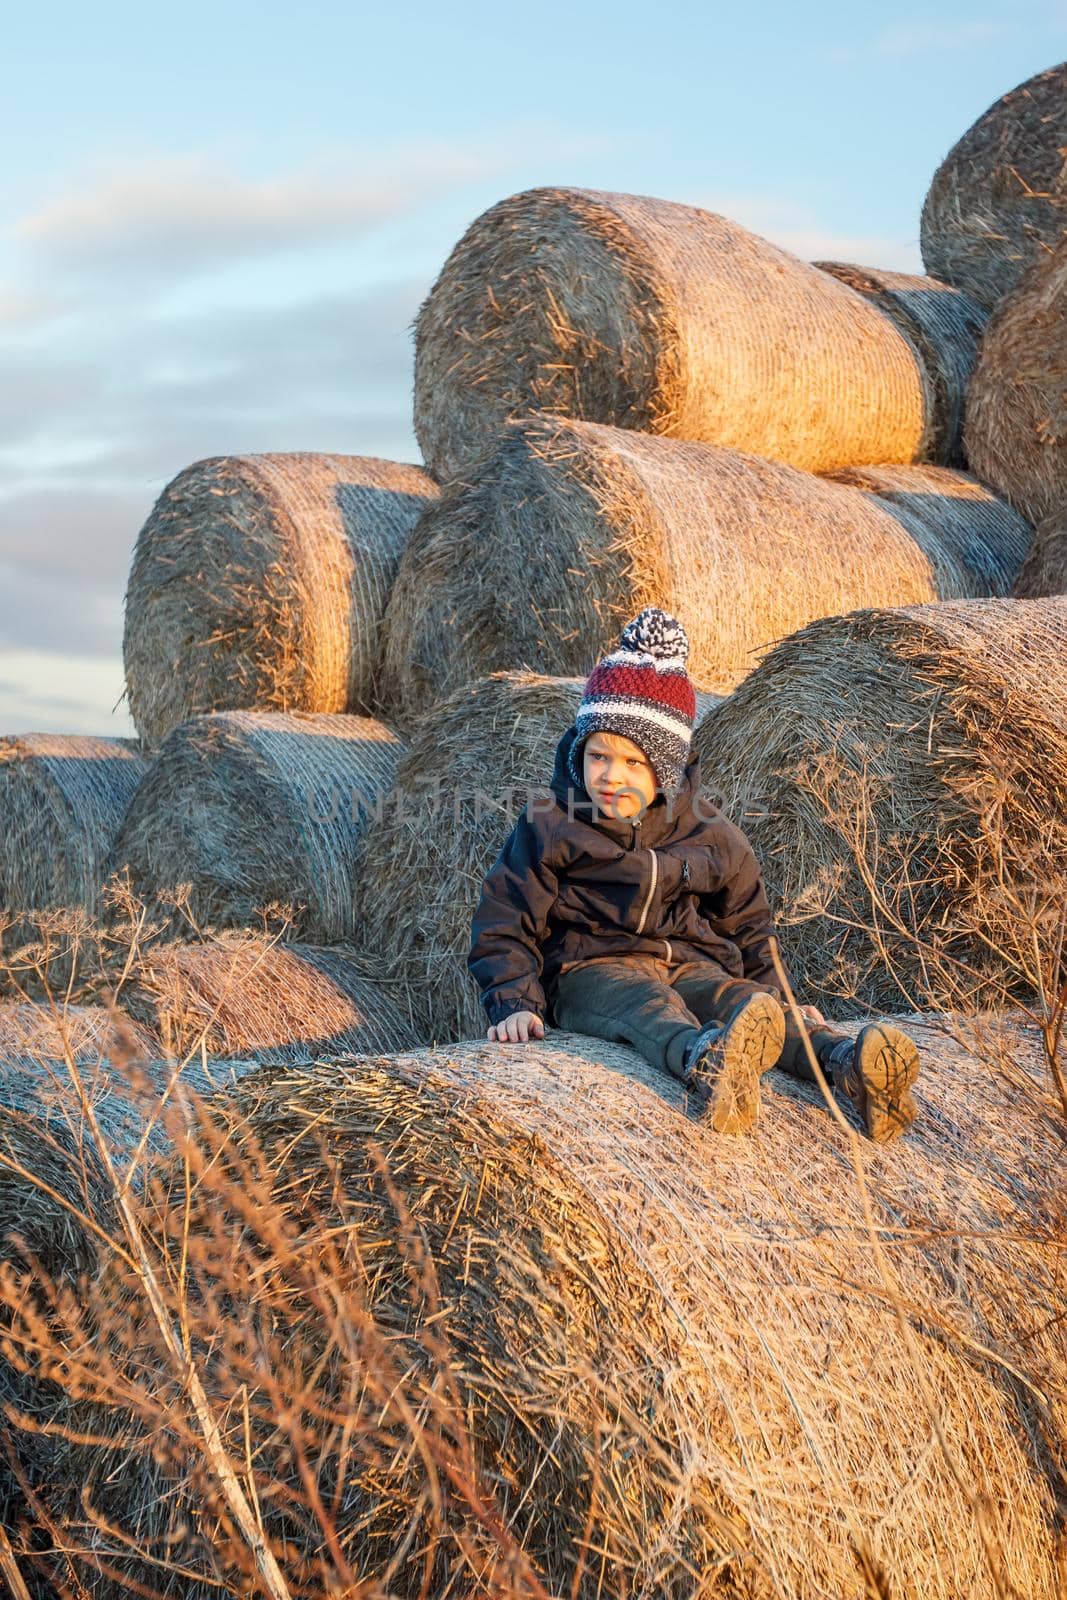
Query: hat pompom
[{"x": 654, "y": 633}]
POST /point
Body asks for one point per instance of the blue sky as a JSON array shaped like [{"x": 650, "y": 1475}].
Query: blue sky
[{"x": 216, "y": 225}]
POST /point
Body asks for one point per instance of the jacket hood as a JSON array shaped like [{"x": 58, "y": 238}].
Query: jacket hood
[{"x": 659, "y": 821}]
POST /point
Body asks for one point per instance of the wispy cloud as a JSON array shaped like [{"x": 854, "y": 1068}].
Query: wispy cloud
[
  {"x": 799, "y": 228},
  {"x": 59, "y": 691}
]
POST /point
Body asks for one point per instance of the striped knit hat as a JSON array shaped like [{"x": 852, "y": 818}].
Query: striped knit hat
[{"x": 642, "y": 691}]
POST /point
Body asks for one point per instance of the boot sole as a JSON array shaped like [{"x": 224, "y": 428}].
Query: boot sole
[
  {"x": 750, "y": 1045},
  {"x": 887, "y": 1064}
]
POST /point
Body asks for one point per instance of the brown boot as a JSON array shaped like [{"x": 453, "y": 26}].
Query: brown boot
[
  {"x": 876, "y": 1073},
  {"x": 727, "y": 1061}
]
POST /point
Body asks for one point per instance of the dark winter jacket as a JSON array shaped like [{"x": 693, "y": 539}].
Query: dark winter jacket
[{"x": 680, "y": 883}]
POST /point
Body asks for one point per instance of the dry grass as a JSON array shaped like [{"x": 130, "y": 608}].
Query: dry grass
[
  {"x": 250, "y": 996},
  {"x": 540, "y": 555},
  {"x": 259, "y": 582},
  {"x": 903, "y": 778},
  {"x": 62, "y": 800},
  {"x": 1045, "y": 569},
  {"x": 506, "y": 1321},
  {"x": 662, "y": 318},
  {"x": 1017, "y": 404},
  {"x": 998, "y": 201},
  {"x": 944, "y": 325},
  {"x": 244, "y": 809}
]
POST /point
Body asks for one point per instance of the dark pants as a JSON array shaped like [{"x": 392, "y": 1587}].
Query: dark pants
[{"x": 657, "y": 1008}]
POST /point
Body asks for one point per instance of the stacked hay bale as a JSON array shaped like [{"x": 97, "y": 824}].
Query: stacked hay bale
[
  {"x": 943, "y": 324},
  {"x": 245, "y": 811},
  {"x": 607, "y": 1331},
  {"x": 42, "y": 1035},
  {"x": 259, "y": 582},
  {"x": 1017, "y": 405},
  {"x": 902, "y": 775},
  {"x": 239, "y": 995},
  {"x": 1045, "y": 569},
  {"x": 998, "y": 201},
  {"x": 537, "y": 556},
  {"x": 664, "y": 318},
  {"x": 63, "y": 798}
]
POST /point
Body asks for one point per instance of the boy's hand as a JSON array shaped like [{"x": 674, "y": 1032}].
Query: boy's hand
[
  {"x": 520, "y": 1027},
  {"x": 811, "y": 1014}
]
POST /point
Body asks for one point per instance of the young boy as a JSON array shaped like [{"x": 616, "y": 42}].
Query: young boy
[{"x": 634, "y": 910}]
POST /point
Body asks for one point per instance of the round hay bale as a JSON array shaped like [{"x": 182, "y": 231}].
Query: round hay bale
[
  {"x": 243, "y": 996},
  {"x": 663, "y": 1347},
  {"x": 62, "y": 800},
  {"x": 999, "y": 198},
  {"x": 944, "y": 325},
  {"x": 902, "y": 775},
  {"x": 31, "y": 1033},
  {"x": 1045, "y": 569},
  {"x": 975, "y": 541},
  {"x": 259, "y": 582},
  {"x": 254, "y": 809},
  {"x": 468, "y": 773},
  {"x": 1016, "y": 432},
  {"x": 538, "y": 557},
  {"x": 663, "y": 318}
]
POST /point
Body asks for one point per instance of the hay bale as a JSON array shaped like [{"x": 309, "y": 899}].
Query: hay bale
[
  {"x": 1016, "y": 433},
  {"x": 1045, "y": 569},
  {"x": 31, "y": 1033},
  {"x": 663, "y": 318},
  {"x": 252, "y": 997},
  {"x": 943, "y": 324},
  {"x": 667, "y": 1348},
  {"x": 998, "y": 201},
  {"x": 62, "y": 800},
  {"x": 259, "y": 808},
  {"x": 973, "y": 539},
  {"x": 537, "y": 558},
  {"x": 259, "y": 582},
  {"x": 937, "y": 735},
  {"x": 463, "y": 781}
]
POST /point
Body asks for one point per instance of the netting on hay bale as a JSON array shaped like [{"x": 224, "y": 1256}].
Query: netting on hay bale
[
  {"x": 1016, "y": 432},
  {"x": 902, "y": 775},
  {"x": 998, "y": 201},
  {"x": 62, "y": 800},
  {"x": 538, "y": 557},
  {"x": 1045, "y": 569},
  {"x": 643, "y": 1359},
  {"x": 663, "y": 318},
  {"x": 943, "y": 324},
  {"x": 239, "y": 995},
  {"x": 259, "y": 582},
  {"x": 474, "y": 763},
  {"x": 252, "y": 809},
  {"x": 31, "y": 1033}
]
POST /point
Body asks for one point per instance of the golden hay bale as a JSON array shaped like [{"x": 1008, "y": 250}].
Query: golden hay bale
[
  {"x": 999, "y": 198},
  {"x": 467, "y": 775},
  {"x": 259, "y": 582},
  {"x": 540, "y": 555},
  {"x": 943, "y": 324},
  {"x": 1045, "y": 569},
  {"x": 968, "y": 532},
  {"x": 905, "y": 764},
  {"x": 663, "y": 318},
  {"x": 683, "y": 1364},
  {"x": 252, "y": 997},
  {"x": 259, "y": 808},
  {"x": 1016, "y": 432},
  {"x": 62, "y": 799}
]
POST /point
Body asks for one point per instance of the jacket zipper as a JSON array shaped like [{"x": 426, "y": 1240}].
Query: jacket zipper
[{"x": 652, "y": 881}]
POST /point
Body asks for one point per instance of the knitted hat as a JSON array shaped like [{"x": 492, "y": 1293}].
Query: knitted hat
[{"x": 642, "y": 691}]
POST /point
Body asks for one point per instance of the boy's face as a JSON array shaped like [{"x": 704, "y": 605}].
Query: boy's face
[{"x": 618, "y": 775}]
